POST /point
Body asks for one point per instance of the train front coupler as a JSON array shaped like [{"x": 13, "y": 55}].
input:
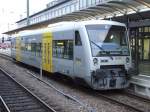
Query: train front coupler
[{"x": 109, "y": 79}]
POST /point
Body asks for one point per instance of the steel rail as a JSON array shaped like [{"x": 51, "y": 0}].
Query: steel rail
[
  {"x": 3, "y": 104},
  {"x": 28, "y": 91},
  {"x": 119, "y": 102},
  {"x": 89, "y": 109},
  {"x": 130, "y": 93}
]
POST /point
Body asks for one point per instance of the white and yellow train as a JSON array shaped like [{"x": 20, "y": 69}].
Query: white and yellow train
[{"x": 96, "y": 52}]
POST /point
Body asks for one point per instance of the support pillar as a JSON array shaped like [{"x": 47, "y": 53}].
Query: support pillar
[{"x": 137, "y": 50}]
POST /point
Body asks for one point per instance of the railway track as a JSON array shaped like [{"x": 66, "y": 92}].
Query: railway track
[
  {"x": 120, "y": 103},
  {"x": 89, "y": 109},
  {"x": 109, "y": 97},
  {"x": 132, "y": 94},
  {"x": 132, "y": 101},
  {"x": 18, "y": 98}
]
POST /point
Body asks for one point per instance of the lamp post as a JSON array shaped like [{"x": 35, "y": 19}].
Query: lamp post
[{"x": 28, "y": 21}]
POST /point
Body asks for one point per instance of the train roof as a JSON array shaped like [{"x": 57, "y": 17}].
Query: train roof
[
  {"x": 109, "y": 22},
  {"x": 89, "y": 22},
  {"x": 68, "y": 25}
]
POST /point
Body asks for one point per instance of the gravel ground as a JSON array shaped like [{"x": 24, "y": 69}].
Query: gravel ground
[
  {"x": 51, "y": 96},
  {"x": 138, "y": 103}
]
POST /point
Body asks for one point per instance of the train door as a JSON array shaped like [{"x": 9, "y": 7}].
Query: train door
[
  {"x": 78, "y": 56},
  {"x": 47, "y": 52},
  {"x": 18, "y": 48},
  {"x": 146, "y": 49}
]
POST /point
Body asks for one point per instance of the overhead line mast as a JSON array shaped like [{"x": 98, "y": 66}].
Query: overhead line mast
[{"x": 28, "y": 11}]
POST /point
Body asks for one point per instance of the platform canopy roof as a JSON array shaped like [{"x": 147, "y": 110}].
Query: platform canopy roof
[
  {"x": 103, "y": 10},
  {"x": 109, "y": 9}
]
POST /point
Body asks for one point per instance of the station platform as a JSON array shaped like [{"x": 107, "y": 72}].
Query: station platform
[
  {"x": 6, "y": 51},
  {"x": 141, "y": 84}
]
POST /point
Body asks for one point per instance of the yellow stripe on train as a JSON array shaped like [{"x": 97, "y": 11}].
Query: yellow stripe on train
[
  {"x": 18, "y": 49},
  {"x": 47, "y": 51}
]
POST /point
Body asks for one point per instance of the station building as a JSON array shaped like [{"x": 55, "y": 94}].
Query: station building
[{"x": 134, "y": 13}]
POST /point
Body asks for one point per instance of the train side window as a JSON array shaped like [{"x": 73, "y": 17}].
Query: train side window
[
  {"x": 33, "y": 48},
  {"x": 45, "y": 52},
  {"x": 48, "y": 55},
  {"x": 63, "y": 49},
  {"x": 29, "y": 47},
  {"x": 38, "y": 49},
  {"x": 77, "y": 39}
]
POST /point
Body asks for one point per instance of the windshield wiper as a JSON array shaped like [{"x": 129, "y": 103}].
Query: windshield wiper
[
  {"x": 100, "y": 48},
  {"x": 97, "y": 45}
]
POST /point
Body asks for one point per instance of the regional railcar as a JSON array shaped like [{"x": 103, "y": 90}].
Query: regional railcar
[{"x": 96, "y": 52}]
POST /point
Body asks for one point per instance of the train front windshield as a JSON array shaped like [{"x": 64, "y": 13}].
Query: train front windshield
[{"x": 108, "y": 40}]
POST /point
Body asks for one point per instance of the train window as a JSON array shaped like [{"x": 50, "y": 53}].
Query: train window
[
  {"x": 38, "y": 49},
  {"x": 45, "y": 52},
  {"x": 33, "y": 48},
  {"x": 29, "y": 47},
  {"x": 63, "y": 49},
  {"x": 48, "y": 47},
  {"x": 77, "y": 39},
  {"x": 13, "y": 45},
  {"x": 22, "y": 46},
  {"x": 70, "y": 49},
  {"x": 26, "y": 46}
]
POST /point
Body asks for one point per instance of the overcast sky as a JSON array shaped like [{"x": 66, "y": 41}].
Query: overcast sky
[{"x": 13, "y": 10}]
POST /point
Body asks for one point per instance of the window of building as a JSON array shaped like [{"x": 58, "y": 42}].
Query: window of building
[
  {"x": 89, "y": 2},
  {"x": 80, "y": 4},
  {"x": 56, "y": 12},
  {"x": 83, "y": 4},
  {"x": 72, "y": 8},
  {"x": 60, "y": 12},
  {"x": 77, "y": 39},
  {"x": 53, "y": 14},
  {"x": 63, "y": 10},
  {"x": 67, "y": 9},
  {"x": 63, "y": 49},
  {"x": 93, "y": 2},
  {"x": 49, "y": 15}
]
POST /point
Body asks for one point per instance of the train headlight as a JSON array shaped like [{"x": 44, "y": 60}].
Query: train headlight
[
  {"x": 95, "y": 61},
  {"x": 127, "y": 60}
]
